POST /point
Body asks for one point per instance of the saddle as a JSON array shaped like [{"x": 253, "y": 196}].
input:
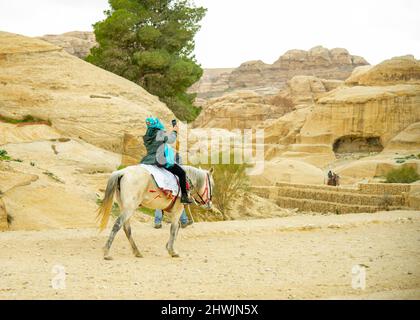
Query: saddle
[{"x": 165, "y": 180}]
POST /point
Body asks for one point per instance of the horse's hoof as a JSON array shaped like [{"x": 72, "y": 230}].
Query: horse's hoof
[
  {"x": 108, "y": 258},
  {"x": 138, "y": 255},
  {"x": 174, "y": 255}
]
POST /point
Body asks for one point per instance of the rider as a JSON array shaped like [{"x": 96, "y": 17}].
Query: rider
[{"x": 154, "y": 141}]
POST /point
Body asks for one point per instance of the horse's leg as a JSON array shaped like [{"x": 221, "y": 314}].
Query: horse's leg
[
  {"x": 127, "y": 230},
  {"x": 121, "y": 220},
  {"x": 176, "y": 214}
]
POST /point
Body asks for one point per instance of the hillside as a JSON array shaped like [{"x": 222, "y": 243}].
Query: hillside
[{"x": 81, "y": 100}]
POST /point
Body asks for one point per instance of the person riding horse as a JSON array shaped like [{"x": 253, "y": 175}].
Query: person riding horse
[{"x": 156, "y": 141}]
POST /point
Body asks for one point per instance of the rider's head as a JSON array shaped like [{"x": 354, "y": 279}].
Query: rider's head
[{"x": 152, "y": 122}]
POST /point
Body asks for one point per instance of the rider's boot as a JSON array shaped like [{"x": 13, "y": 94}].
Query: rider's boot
[{"x": 185, "y": 199}]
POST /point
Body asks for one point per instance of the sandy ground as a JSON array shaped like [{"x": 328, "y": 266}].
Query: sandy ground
[{"x": 300, "y": 257}]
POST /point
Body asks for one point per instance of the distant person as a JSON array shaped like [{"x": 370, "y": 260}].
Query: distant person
[
  {"x": 330, "y": 174},
  {"x": 336, "y": 179}
]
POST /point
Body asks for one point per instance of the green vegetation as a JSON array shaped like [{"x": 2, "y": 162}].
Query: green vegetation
[
  {"x": 26, "y": 119},
  {"x": 121, "y": 166},
  {"x": 409, "y": 157},
  {"x": 115, "y": 211},
  {"x": 5, "y": 157},
  {"x": 10, "y": 219},
  {"x": 151, "y": 43},
  {"x": 404, "y": 174},
  {"x": 231, "y": 181}
]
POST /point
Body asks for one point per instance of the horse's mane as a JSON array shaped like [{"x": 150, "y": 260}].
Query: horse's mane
[{"x": 196, "y": 175}]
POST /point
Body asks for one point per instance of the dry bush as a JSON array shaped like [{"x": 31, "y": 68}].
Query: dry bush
[
  {"x": 283, "y": 102},
  {"x": 230, "y": 181},
  {"x": 385, "y": 202}
]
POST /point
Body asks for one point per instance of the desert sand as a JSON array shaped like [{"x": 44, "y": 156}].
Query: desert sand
[{"x": 300, "y": 257}]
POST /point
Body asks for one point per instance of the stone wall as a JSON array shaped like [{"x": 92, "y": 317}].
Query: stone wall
[{"x": 316, "y": 198}]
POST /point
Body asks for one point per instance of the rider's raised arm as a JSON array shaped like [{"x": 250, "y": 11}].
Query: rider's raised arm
[{"x": 166, "y": 137}]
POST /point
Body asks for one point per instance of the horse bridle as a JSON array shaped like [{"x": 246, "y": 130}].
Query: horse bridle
[{"x": 207, "y": 192}]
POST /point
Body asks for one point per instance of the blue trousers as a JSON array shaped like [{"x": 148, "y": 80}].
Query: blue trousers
[{"x": 158, "y": 217}]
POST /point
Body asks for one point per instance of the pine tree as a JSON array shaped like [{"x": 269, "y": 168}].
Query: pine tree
[{"x": 151, "y": 43}]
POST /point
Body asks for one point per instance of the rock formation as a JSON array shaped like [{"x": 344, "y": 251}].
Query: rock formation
[
  {"x": 79, "y": 99},
  {"x": 336, "y": 64},
  {"x": 52, "y": 181},
  {"x": 366, "y": 112},
  {"x": 77, "y": 43},
  {"x": 398, "y": 70},
  {"x": 377, "y": 111},
  {"x": 241, "y": 110}
]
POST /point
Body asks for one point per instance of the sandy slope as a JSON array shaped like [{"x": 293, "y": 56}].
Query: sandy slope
[{"x": 279, "y": 258}]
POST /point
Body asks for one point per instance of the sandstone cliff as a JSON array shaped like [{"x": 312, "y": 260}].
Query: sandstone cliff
[
  {"x": 240, "y": 110},
  {"x": 374, "y": 118},
  {"x": 265, "y": 78},
  {"x": 77, "y": 43},
  {"x": 79, "y": 99}
]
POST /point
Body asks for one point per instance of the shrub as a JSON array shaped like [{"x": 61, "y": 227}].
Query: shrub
[
  {"x": 4, "y": 155},
  {"x": 26, "y": 119},
  {"x": 231, "y": 181},
  {"x": 10, "y": 219},
  {"x": 404, "y": 174}
]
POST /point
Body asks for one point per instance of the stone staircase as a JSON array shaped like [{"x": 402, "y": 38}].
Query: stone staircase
[{"x": 339, "y": 200}]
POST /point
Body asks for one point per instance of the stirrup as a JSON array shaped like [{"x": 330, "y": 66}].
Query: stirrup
[{"x": 185, "y": 199}]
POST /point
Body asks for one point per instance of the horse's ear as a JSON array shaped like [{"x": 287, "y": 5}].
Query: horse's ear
[{"x": 211, "y": 170}]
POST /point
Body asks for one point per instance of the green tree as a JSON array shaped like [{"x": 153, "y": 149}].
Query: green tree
[{"x": 151, "y": 43}]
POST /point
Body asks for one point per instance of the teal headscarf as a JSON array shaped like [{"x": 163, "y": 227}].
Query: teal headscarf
[{"x": 154, "y": 123}]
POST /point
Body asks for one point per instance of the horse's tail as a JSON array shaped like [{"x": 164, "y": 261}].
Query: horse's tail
[{"x": 105, "y": 208}]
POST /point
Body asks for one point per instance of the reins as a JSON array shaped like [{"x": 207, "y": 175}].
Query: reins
[{"x": 207, "y": 192}]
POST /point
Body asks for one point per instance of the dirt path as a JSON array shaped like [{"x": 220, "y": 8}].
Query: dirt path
[{"x": 281, "y": 258}]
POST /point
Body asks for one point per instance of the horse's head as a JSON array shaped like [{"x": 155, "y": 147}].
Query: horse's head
[
  {"x": 211, "y": 187},
  {"x": 203, "y": 186}
]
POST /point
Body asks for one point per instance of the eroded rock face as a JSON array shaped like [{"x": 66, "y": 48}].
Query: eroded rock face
[
  {"x": 362, "y": 112},
  {"x": 80, "y": 99},
  {"x": 264, "y": 78},
  {"x": 397, "y": 70},
  {"x": 56, "y": 182},
  {"x": 77, "y": 43},
  {"x": 408, "y": 139},
  {"x": 350, "y": 119},
  {"x": 241, "y": 110}
]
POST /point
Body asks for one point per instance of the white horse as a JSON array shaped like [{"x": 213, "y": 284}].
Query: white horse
[{"x": 134, "y": 186}]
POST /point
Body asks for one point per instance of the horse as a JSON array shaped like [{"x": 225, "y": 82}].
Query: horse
[{"x": 134, "y": 186}]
